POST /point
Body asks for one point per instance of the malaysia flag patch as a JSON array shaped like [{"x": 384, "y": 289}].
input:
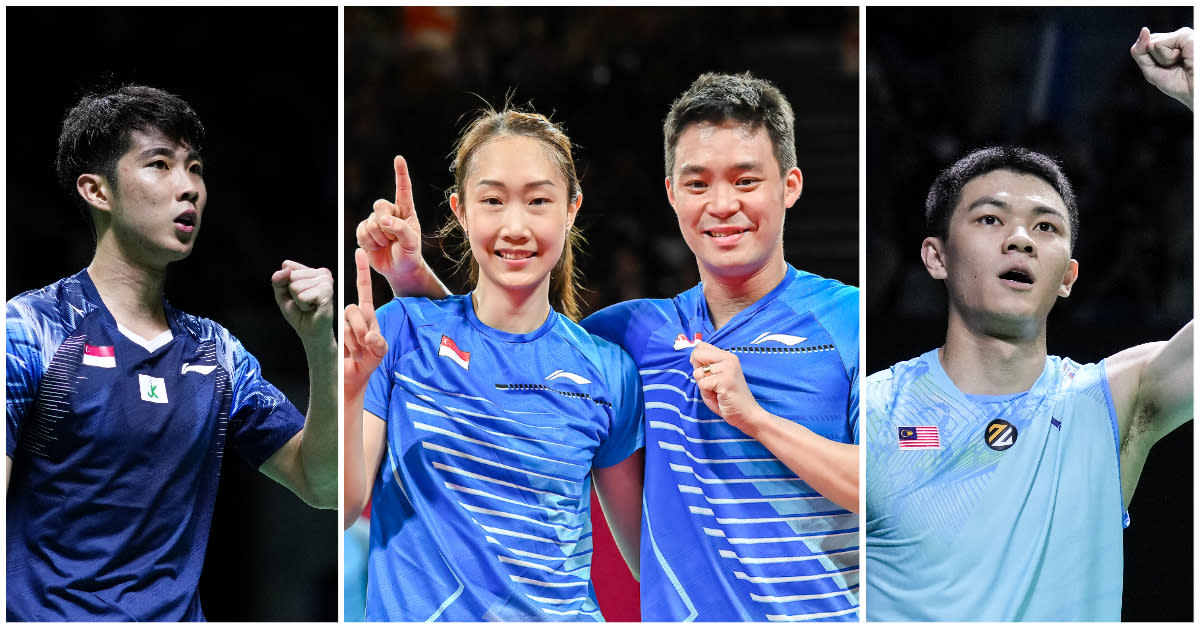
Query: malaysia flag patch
[
  {"x": 451, "y": 350},
  {"x": 103, "y": 357},
  {"x": 919, "y": 437}
]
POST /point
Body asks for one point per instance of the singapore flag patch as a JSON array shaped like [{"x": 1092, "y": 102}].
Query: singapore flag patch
[
  {"x": 681, "y": 341},
  {"x": 103, "y": 357},
  {"x": 451, "y": 350}
]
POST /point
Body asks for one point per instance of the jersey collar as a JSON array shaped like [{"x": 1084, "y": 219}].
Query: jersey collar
[
  {"x": 504, "y": 336},
  {"x": 92, "y": 296},
  {"x": 702, "y": 313}
]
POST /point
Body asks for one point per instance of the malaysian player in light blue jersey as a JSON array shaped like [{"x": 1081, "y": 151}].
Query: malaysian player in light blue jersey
[
  {"x": 477, "y": 423},
  {"x": 750, "y": 379},
  {"x": 998, "y": 476},
  {"x": 120, "y": 407}
]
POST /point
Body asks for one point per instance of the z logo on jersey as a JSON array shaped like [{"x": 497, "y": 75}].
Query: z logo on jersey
[{"x": 1000, "y": 435}]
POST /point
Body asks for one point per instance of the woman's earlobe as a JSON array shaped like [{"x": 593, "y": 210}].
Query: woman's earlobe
[{"x": 456, "y": 208}]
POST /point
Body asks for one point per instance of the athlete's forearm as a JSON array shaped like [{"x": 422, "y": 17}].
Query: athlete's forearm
[
  {"x": 318, "y": 446},
  {"x": 422, "y": 283},
  {"x": 307, "y": 463},
  {"x": 619, "y": 488},
  {"x": 354, "y": 472},
  {"x": 830, "y": 467}
]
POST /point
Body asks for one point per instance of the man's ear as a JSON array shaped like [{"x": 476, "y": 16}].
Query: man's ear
[
  {"x": 95, "y": 191},
  {"x": 933, "y": 254},
  {"x": 670, "y": 192},
  {"x": 1069, "y": 278},
  {"x": 793, "y": 184}
]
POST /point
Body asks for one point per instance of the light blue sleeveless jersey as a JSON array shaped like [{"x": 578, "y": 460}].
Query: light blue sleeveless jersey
[
  {"x": 729, "y": 533},
  {"x": 1001, "y": 508},
  {"x": 481, "y": 506}
]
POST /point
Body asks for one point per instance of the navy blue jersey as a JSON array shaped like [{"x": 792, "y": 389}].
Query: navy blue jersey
[
  {"x": 116, "y": 444},
  {"x": 481, "y": 506},
  {"x": 729, "y": 533}
]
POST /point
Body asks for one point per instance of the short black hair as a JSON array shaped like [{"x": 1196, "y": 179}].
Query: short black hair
[
  {"x": 743, "y": 98},
  {"x": 946, "y": 191},
  {"x": 96, "y": 132}
]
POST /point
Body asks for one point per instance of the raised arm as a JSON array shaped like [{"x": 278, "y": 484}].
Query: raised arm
[
  {"x": 363, "y": 350},
  {"x": 1151, "y": 384},
  {"x": 1166, "y": 60},
  {"x": 1152, "y": 390},
  {"x": 830, "y": 467},
  {"x": 307, "y": 464},
  {"x": 391, "y": 238}
]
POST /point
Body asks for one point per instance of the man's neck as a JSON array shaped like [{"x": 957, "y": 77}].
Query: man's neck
[
  {"x": 981, "y": 364},
  {"x": 132, "y": 292},
  {"x": 727, "y": 296}
]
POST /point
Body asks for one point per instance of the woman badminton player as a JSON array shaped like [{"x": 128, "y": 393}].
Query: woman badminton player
[{"x": 476, "y": 422}]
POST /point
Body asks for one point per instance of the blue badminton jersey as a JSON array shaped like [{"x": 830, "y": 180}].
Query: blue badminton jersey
[
  {"x": 728, "y": 532},
  {"x": 992, "y": 508},
  {"x": 116, "y": 452},
  {"x": 481, "y": 506}
]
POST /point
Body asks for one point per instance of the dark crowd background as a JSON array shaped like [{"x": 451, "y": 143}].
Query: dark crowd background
[
  {"x": 941, "y": 82},
  {"x": 264, "y": 82},
  {"x": 415, "y": 75}
]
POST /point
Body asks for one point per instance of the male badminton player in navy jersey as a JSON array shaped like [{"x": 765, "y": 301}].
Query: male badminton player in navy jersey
[
  {"x": 750, "y": 379},
  {"x": 120, "y": 407},
  {"x": 998, "y": 476}
]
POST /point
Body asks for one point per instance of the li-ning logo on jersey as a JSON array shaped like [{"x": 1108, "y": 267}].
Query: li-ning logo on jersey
[
  {"x": 103, "y": 357},
  {"x": 450, "y": 350},
  {"x": 780, "y": 338},
  {"x": 569, "y": 375},
  {"x": 681, "y": 341},
  {"x": 1000, "y": 435},
  {"x": 196, "y": 368},
  {"x": 154, "y": 389}
]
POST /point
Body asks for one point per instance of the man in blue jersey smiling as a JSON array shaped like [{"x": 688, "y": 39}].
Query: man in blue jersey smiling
[
  {"x": 998, "y": 476},
  {"x": 120, "y": 407},
  {"x": 750, "y": 378}
]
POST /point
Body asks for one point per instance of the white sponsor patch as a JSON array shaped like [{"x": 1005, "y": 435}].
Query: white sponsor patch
[{"x": 154, "y": 389}]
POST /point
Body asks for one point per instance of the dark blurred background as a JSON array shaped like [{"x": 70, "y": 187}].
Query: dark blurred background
[
  {"x": 414, "y": 75},
  {"x": 264, "y": 83},
  {"x": 941, "y": 82}
]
